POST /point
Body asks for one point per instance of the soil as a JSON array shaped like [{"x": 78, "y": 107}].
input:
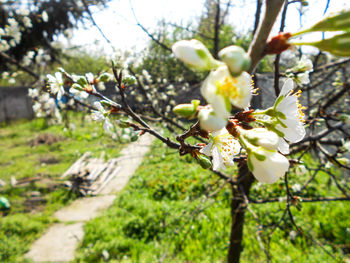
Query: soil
[{"x": 45, "y": 138}]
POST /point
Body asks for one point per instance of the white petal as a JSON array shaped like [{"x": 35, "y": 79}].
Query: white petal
[
  {"x": 187, "y": 51},
  {"x": 209, "y": 121},
  {"x": 287, "y": 87},
  {"x": 107, "y": 125},
  {"x": 271, "y": 169},
  {"x": 59, "y": 79},
  {"x": 283, "y": 146},
  {"x": 207, "y": 149},
  {"x": 97, "y": 116},
  {"x": 218, "y": 162},
  {"x": 98, "y": 106}
]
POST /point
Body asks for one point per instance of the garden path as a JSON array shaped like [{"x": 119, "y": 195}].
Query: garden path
[{"x": 60, "y": 241}]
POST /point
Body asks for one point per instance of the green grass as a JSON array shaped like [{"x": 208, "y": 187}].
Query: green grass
[
  {"x": 21, "y": 225},
  {"x": 155, "y": 217}
]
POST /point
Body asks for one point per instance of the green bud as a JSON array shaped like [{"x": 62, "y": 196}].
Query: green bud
[
  {"x": 105, "y": 77},
  {"x": 187, "y": 110},
  {"x": 134, "y": 138},
  {"x": 77, "y": 87},
  {"x": 204, "y": 161},
  {"x": 236, "y": 59},
  {"x": 123, "y": 124},
  {"x": 129, "y": 80},
  {"x": 109, "y": 103},
  {"x": 82, "y": 81}
]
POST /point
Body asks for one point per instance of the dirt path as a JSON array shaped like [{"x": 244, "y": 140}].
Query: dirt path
[{"x": 60, "y": 241}]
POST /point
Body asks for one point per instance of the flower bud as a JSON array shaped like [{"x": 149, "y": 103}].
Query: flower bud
[
  {"x": 81, "y": 80},
  {"x": 134, "y": 138},
  {"x": 105, "y": 77},
  {"x": 236, "y": 59},
  {"x": 209, "y": 121},
  {"x": 194, "y": 54},
  {"x": 261, "y": 137},
  {"x": 267, "y": 166},
  {"x": 77, "y": 87},
  {"x": 129, "y": 80},
  {"x": 187, "y": 110},
  {"x": 203, "y": 160},
  {"x": 123, "y": 124}
]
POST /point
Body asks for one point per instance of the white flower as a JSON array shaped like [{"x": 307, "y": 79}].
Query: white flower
[
  {"x": 44, "y": 16},
  {"x": 223, "y": 146},
  {"x": 194, "y": 54},
  {"x": 27, "y": 22},
  {"x": 101, "y": 115},
  {"x": 291, "y": 116},
  {"x": 303, "y": 78},
  {"x": 261, "y": 137},
  {"x": 267, "y": 165},
  {"x": 209, "y": 121},
  {"x": 301, "y": 71},
  {"x": 235, "y": 58},
  {"x": 56, "y": 84},
  {"x": 296, "y": 187},
  {"x": 221, "y": 90},
  {"x": 33, "y": 93}
]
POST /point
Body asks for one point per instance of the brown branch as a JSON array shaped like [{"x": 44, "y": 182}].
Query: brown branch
[
  {"x": 95, "y": 24},
  {"x": 257, "y": 46},
  {"x": 148, "y": 33},
  {"x": 18, "y": 64}
]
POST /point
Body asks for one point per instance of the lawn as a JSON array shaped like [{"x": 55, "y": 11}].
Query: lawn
[
  {"x": 31, "y": 149},
  {"x": 164, "y": 214}
]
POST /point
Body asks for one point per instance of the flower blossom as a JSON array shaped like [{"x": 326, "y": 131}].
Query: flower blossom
[
  {"x": 221, "y": 90},
  {"x": 209, "y": 121},
  {"x": 264, "y": 161},
  {"x": 101, "y": 115},
  {"x": 56, "y": 84},
  {"x": 194, "y": 54},
  {"x": 222, "y": 147},
  {"x": 267, "y": 165},
  {"x": 291, "y": 120}
]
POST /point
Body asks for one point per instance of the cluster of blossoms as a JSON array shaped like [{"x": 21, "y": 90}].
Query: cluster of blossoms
[
  {"x": 81, "y": 86},
  {"x": 262, "y": 134},
  {"x": 11, "y": 33}
]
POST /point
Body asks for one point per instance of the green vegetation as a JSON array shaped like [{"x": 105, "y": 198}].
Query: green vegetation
[
  {"x": 163, "y": 212},
  {"x": 32, "y": 149}
]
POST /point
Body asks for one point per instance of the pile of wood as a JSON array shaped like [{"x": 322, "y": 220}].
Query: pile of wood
[{"x": 88, "y": 176}]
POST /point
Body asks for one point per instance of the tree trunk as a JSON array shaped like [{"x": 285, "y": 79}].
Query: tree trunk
[{"x": 238, "y": 208}]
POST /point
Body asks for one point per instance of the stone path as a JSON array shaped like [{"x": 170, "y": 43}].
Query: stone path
[{"x": 60, "y": 241}]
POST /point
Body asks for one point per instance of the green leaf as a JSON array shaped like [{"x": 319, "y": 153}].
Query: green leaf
[
  {"x": 338, "y": 45},
  {"x": 338, "y": 22}
]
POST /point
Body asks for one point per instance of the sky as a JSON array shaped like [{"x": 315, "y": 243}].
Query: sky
[{"x": 119, "y": 24}]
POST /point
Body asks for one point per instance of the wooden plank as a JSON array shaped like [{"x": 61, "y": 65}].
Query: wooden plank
[{"x": 76, "y": 166}]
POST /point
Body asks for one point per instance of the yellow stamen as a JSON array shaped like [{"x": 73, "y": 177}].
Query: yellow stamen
[{"x": 228, "y": 88}]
